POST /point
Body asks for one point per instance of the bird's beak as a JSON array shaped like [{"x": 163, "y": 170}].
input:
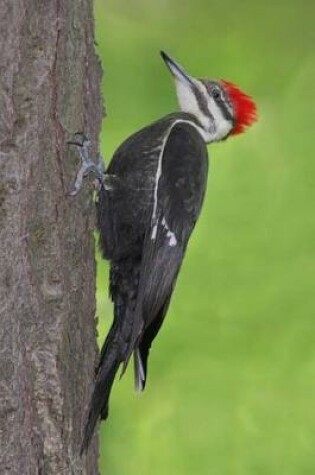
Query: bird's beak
[{"x": 177, "y": 70}]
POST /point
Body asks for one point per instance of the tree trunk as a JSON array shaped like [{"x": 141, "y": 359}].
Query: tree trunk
[{"x": 49, "y": 89}]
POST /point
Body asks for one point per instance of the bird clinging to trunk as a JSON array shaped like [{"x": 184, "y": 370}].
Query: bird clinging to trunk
[{"x": 149, "y": 201}]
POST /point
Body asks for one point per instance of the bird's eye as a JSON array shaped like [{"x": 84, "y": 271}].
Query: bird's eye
[{"x": 216, "y": 94}]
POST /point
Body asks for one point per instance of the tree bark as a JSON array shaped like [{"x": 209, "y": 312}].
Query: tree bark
[{"x": 49, "y": 89}]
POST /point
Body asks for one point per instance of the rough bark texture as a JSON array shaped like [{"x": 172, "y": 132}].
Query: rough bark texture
[{"x": 49, "y": 89}]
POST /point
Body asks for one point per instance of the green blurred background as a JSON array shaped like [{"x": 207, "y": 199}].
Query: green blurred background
[{"x": 231, "y": 386}]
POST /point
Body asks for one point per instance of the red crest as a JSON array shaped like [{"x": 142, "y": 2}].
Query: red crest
[{"x": 244, "y": 107}]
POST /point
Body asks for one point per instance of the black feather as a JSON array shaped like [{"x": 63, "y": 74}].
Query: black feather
[{"x": 145, "y": 219}]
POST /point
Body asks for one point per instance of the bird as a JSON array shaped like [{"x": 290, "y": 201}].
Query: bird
[{"x": 149, "y": 200}]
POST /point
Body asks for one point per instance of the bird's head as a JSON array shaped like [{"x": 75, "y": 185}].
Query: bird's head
[{"x": 220, "y": 108}]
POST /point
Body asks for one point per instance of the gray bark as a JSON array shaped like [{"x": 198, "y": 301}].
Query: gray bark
[{"x": 49, "y": 89}]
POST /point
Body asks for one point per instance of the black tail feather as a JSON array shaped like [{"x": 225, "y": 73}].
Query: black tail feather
[
  {"x": 141, "y": 353},
  {"x": 108, "y": 368}
]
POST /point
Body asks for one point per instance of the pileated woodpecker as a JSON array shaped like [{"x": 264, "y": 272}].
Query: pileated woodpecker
[{"x": 149, "y": 201}]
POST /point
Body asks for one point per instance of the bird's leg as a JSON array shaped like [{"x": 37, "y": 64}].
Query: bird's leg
[{"x": 87, "y": 165}]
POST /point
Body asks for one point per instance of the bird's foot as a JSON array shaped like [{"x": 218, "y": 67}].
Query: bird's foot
[{"x": 87, "y": 164}]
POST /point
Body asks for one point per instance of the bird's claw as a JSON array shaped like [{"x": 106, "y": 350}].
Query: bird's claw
[{"x": 87, "y": 164}]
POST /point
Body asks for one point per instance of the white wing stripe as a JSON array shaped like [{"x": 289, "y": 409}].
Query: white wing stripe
[{"x": 154, "y": 221}]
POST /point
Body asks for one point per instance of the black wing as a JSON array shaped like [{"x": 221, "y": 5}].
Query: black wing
[{"x": 180, "y": 187}]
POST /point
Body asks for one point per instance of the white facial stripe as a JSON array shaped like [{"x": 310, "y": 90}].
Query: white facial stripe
[
  {"x": 222, "y": 126},
  {"x": 213, "y": 124},
  {"x": 188, "y": 102}
]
